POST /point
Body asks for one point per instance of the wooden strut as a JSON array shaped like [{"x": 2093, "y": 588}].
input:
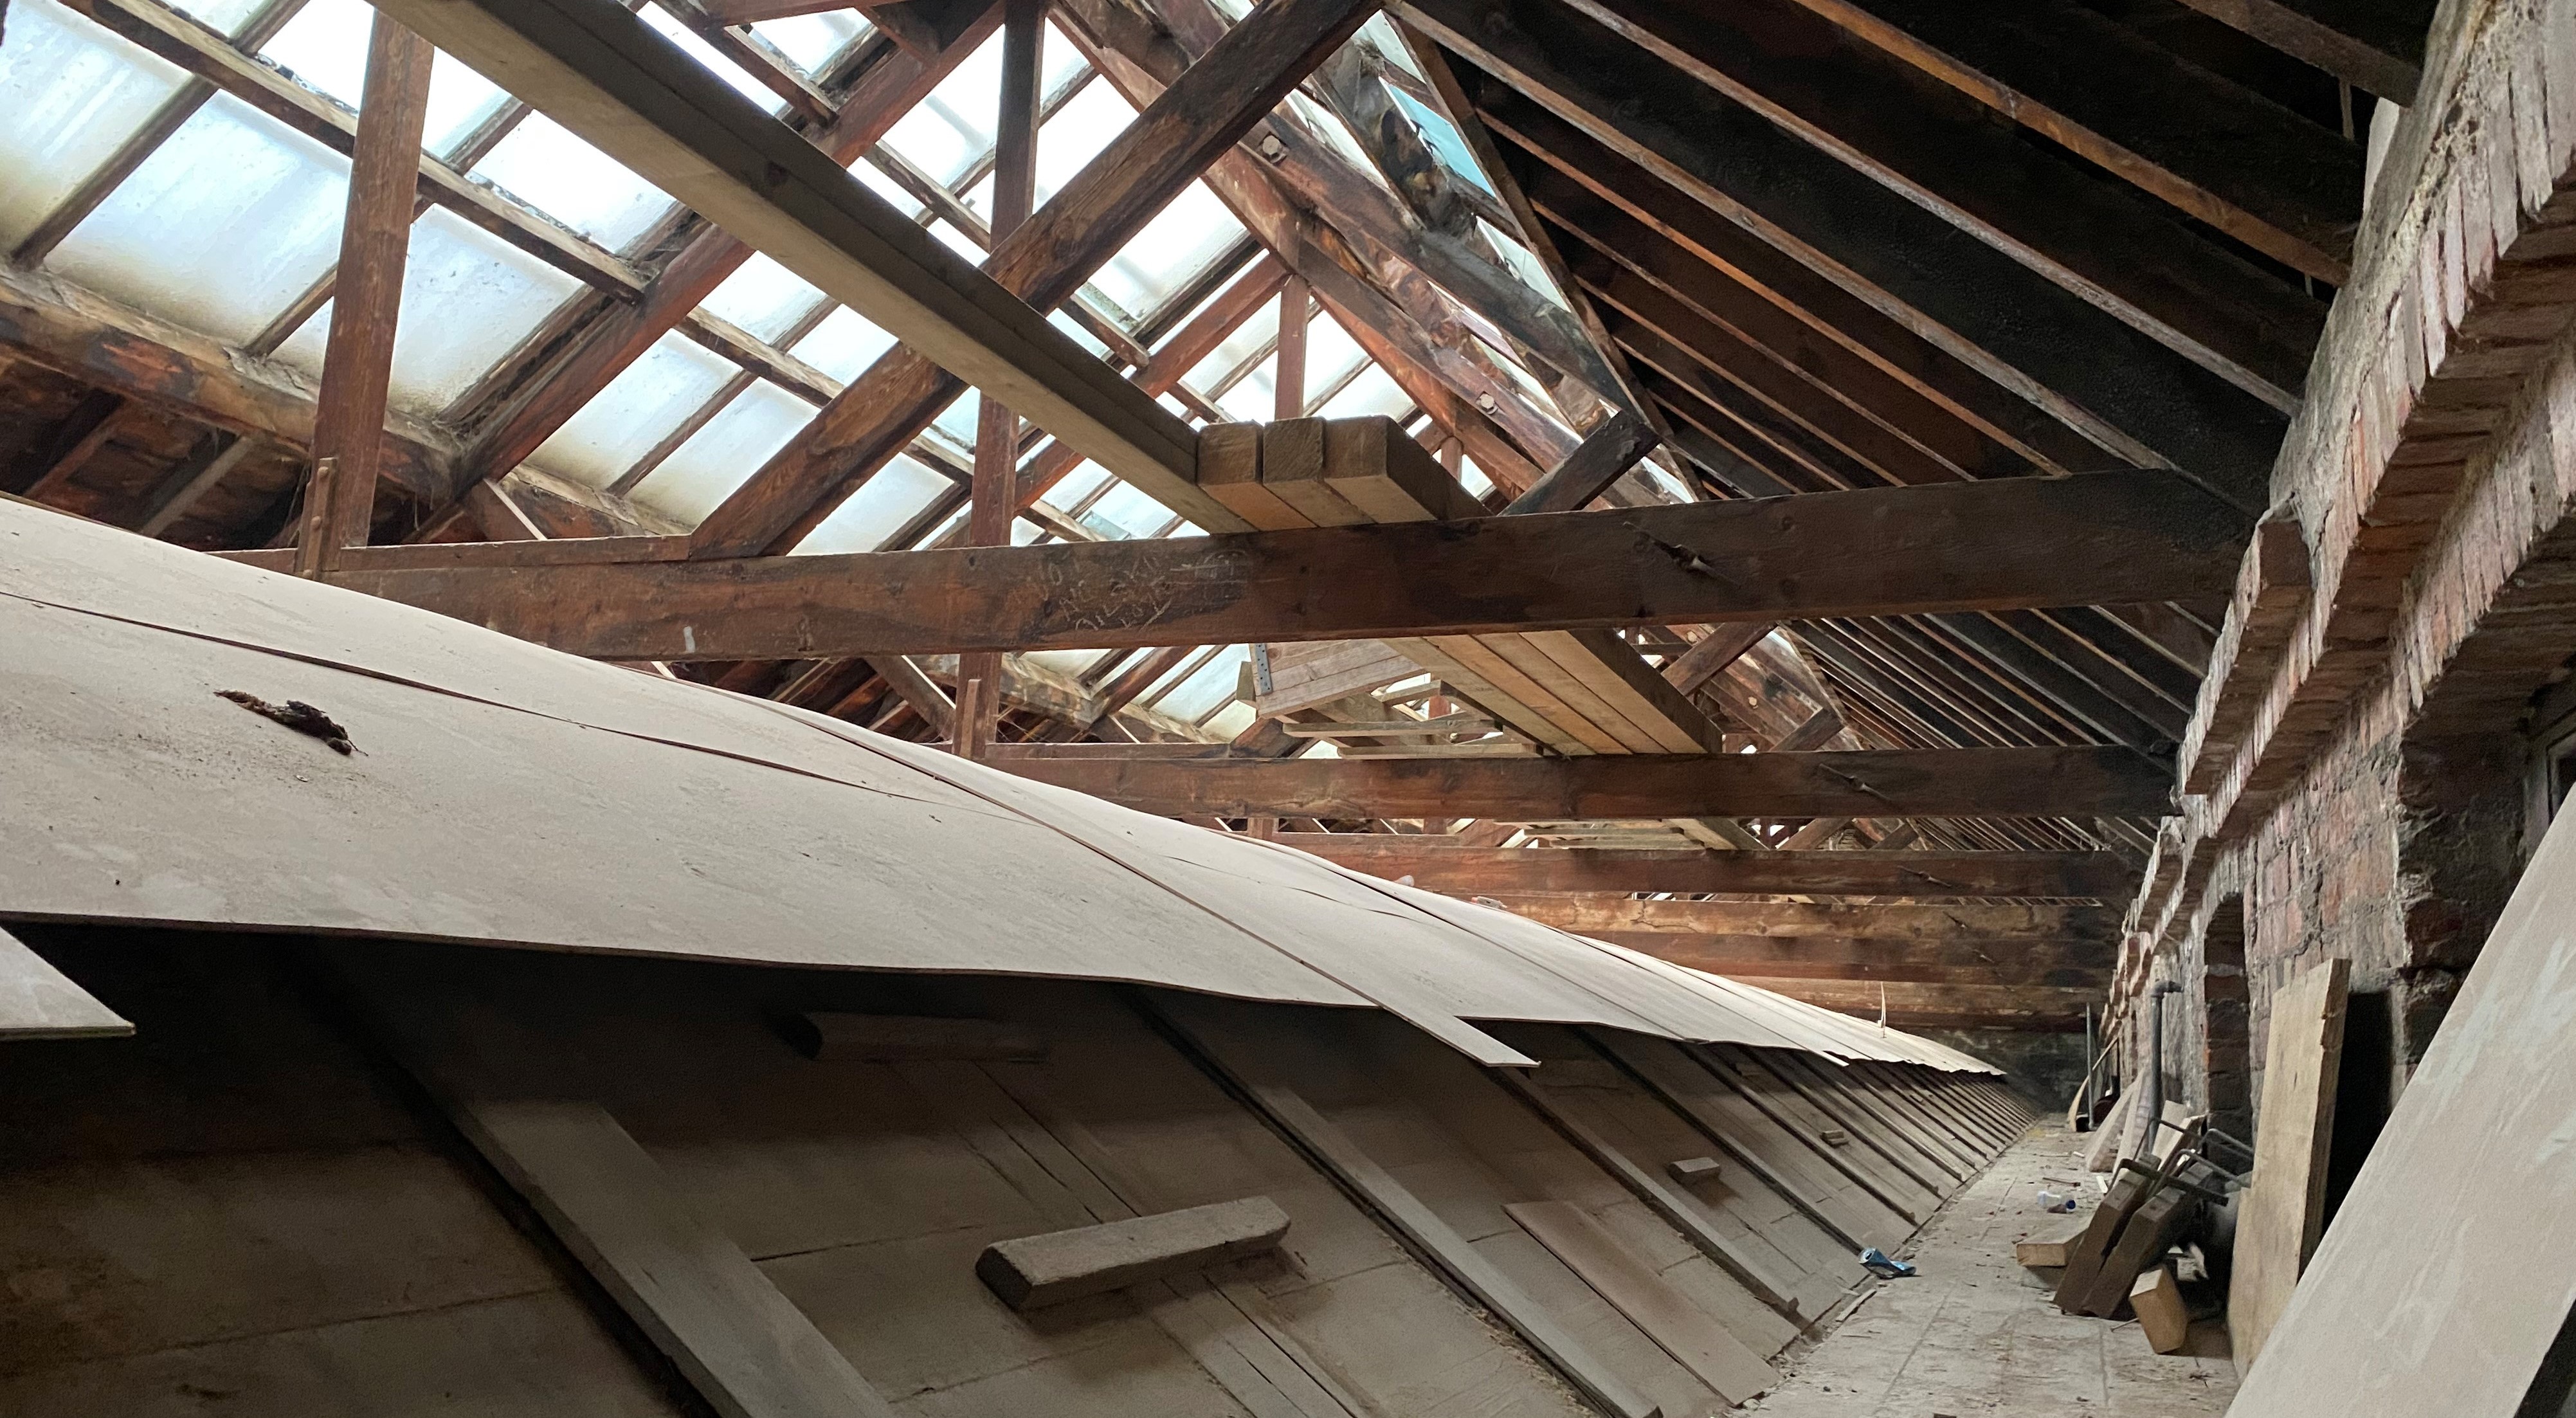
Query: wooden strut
[{"x": 2106, "y": 538}]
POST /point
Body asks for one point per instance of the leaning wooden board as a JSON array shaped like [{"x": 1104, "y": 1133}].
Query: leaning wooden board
[
  {"x": 2442, "y": 1281},
  {"x": 2283, "y": 1212}
]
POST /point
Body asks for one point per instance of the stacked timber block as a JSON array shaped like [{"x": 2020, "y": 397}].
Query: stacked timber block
[{"x": 1576, "y": 692}]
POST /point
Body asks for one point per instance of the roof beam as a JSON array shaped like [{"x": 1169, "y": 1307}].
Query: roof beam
[
  {"x": 1207, "y": 108},
  {"x": 1983, "y": 545},
  {"x": 1918, "y": 1005},
  {"x": 1436, "y": 864},
  {"x": 2056, "y": 964},
  {"x": 153, "y": 362},
  {"x": 1797, "y": 920},
  {"x": 2141, "y": 399},
  {"x": 610, "y": 79},
  {"x": 2377, "y": 45},
  {"x": 2100, "y": 240},
  {"x": 2215, "y": 149},
  {"x": 1973, "y": 782}
]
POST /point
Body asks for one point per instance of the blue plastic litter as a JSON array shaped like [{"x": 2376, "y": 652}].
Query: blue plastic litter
[{"x": 1883, "y": 1265}]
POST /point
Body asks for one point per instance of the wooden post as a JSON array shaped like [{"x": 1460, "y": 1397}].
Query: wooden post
[
  {"x": 375, "y": 239},
  {"x": 1289, "y": 380},
  {"x": 997, "y": 429}
]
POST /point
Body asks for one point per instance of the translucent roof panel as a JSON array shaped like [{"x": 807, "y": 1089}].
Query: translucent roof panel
[
  {"x": 1254, "y": 397},
  {"x": 763, "y": 297},
  {"x": 549, "y": 169},
  {"x": 721, "y": 456},
  {"x": 947, "y": 131},
  {"x": 876, "y": 180},
  {"x": 1229, "y": 721},
  {"x": 1441, "y": 137},
  {"x": 1177, "y": 244},
  {"x": 1128, "y": 514},
  {"x": 1330, "y": 352},
  {"x": 883, "y": 504},
  {"x": 1208, "y": 686},
  {"x": 460, "y": 101},
  {"x": 468, "y": 300},
  {"x": 959, "y": 418},
  {"x": 1372, "y": 392},
  {"x": 325, "y": 48},
  {"x": 637, "y": 410},
  {"x": 844, "y": 345},
  {"x": 224, "y": 226},
  {"x": 1523, "y": 262},
  {"x": 1257, "y": 329},
  {"x": 73, "y": 94},
  {"x": 812, "y": 42},
  {"x": 224, "y": 17},
  {"x": 1077, "y": 133},
  {"x": 698, "y": 49}
]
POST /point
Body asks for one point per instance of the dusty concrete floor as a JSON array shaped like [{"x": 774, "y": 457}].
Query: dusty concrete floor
[{"x": 1974, "y": 1336}]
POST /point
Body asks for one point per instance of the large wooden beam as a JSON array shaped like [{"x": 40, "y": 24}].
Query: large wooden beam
[
  {"x": 1436, "y": 865},
  {"x": 2250, "y": 167},
  {"x": 2123, "y": 386},
  {"x": 1918, "y": 1005},
  {"x": 2018, "y": 542},
  {"x": 1976, "y": 782},
  {"x": 1792, "y": 920},
  {"x": 1965, "y": 962},
  {"x": 1207, "y": 108},
  {"x": 609, "y": 78},
  {"x": 66, "y": 329},
  {"x": 2376, "y": 45}
]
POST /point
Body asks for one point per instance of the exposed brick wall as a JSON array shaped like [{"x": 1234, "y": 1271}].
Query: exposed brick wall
[{"x": 2374, "y": 809}]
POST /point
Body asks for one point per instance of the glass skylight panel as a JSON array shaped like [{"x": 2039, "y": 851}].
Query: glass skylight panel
[
  {"x": 1256, "y": 330},
  {"x": 1207, "y": 687},
  {"x": 764, "y": 298},
  {"x": 460, "y": 101},
  {"x": 1255, "y": 397},
  {"x": 547, "y": 168},
  {"x": 958, "y": 242},
  {"x": 1074, "y": 330},
  {"x": 1330, "y": 351},
  {"x": 73, "y": 94},
  {"x": 1379, "y": 34},
  {"x": 876, "y": 181},
  {"x": 1192, "y": 230},
  {"x": 1230, "y": 720},
  {"x": 844, "y": 345},
  {"x": 698, "y": 49},
  {"x": 724, "y": 454},
  {"x": 224, "y": 226},
  {"x": 1372, "y": 392},
  {"x": 881, "y": 507},
  {"x": 1128, "y": 513},
  {"x": 1442, "y": 138},
  {"x": 1067, "y": 662},
  {"x": 1077, "y": 133},
  {"x": 949, "y": 129},
  {"x": 224, "y": 17},
  {"x": 468, "y": 299},
  {"x": 1472, "y": 477},
  {"x": 637, "y": 410},
  {"x": 812, "y": 42},
  {"x": 1069, "y": 490},
  {"x": 958, "y": 419},
  {"x": 325, "y": 48},
  {"x": 1523, "y": 263}
]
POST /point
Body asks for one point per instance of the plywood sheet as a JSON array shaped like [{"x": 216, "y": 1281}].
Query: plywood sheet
[
  {"x": 1633, "y": 1288},
  {"x": 2439, "y": 1287},
  {"x": 2283, "y": 1212}
]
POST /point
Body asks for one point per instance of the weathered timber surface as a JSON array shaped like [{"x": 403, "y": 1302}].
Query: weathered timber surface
[
  {"x": 1032, "y": 1271},
  {"x": 1971, "y": 962},
  {"x": 1962, "y": 782},
  {"x": 38, "y": 1001},
  {"x": 1435, "y": 866},
  {"x": 2111, "y": 538},
  {"x": 1592, "y": 915}
]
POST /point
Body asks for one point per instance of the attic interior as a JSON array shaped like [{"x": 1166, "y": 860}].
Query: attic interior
[{"x": 1291, "y": 708}]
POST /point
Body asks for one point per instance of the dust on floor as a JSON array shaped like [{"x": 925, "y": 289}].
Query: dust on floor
[{"x": 1974, "y": 1335}]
